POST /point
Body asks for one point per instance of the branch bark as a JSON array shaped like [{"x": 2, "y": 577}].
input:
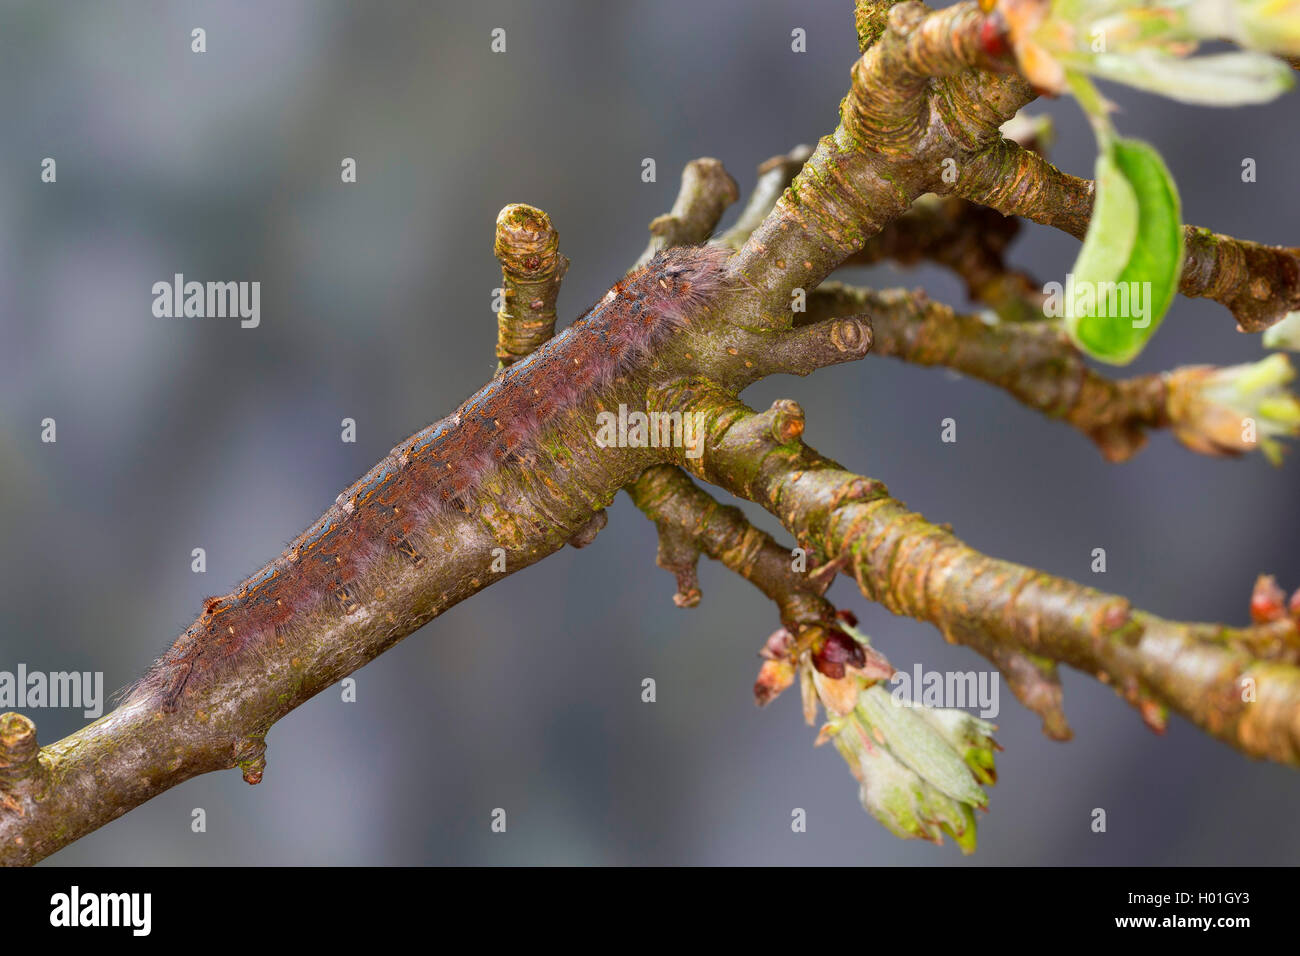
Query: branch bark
[
  {"x": 532, "y": 269},
  {"x": 1037, "y": 365},
  {"x": 1241, "y": 685}
]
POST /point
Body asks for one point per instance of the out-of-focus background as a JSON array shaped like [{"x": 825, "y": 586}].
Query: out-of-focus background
[{"x": 376, "y": 305}]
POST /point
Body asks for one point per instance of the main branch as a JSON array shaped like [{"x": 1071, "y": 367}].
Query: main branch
[{"x": 930, "y": 87}]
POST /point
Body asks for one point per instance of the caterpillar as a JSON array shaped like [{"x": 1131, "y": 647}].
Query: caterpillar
[{"x": 436, "y": 471}]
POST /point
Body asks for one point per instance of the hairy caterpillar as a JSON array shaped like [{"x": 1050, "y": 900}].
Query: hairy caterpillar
[{"x": 436, "y": 469}]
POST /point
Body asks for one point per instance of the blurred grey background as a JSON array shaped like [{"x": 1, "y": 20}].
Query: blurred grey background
[{"x": 175, "y": 434}]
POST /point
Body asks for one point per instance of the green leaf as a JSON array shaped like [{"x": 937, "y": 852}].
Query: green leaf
[
  {"x": 919, "y": 746},
  {"x": 1128, "y": 269},
  {"x": 1158, "y": 252},
  {"x": 1285, "y": 334},
  {"x": 1221, "y": 79},
  {"x": 1106, "y": 250}
]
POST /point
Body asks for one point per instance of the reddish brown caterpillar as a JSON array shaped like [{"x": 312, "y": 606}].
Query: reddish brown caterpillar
[{"x": 437, "y": 469}]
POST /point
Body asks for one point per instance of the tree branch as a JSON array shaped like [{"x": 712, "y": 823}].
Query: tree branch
[
  {"x": 968, "y": 239},
  {"x": 532, "y": 269},
  {"x": 691, "y": 522},
  {"x": 1241, "y": 685},
  {"x": 1038, "y": 365},
  {"x": 897, "y": 125},
  {"x": 707, "y": 190},
  {"x": 774, "y": 175}
]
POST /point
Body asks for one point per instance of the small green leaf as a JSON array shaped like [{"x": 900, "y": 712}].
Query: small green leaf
[{"x": 1128, "y": 269}]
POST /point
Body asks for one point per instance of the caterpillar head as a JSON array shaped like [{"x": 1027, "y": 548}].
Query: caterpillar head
[{"x": 683, "y": 279}]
